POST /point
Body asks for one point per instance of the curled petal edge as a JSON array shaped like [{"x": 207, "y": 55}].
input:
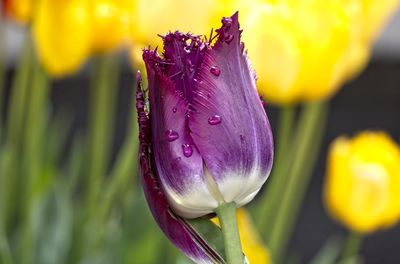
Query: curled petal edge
[{"x": 178, "y": 230}]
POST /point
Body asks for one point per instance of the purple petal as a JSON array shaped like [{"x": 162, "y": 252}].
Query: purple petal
[
  {"x": 230, "y": 127},
  {"x": 178, "y": 163},
  {"x": 175, "y": 228},
  {"x": 211, "y": 139}
]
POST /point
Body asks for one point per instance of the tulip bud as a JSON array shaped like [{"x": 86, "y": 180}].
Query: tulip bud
[
  {"x": 211, "y": 140},
  {"x": 363, "y": 181},
  {"x": 205, "y": 137}
]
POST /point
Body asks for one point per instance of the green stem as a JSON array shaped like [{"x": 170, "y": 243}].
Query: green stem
[
  {"x": 353, "y": 245},
  {"x": 19, "y": 91},
  {"x": 268, "y": 204},
  {"x": 33, "y": 157},
  {"x": 2, "y": 72},
  {"x": 2, "y": 152},
  {"x": 104, "y": 89},
  {"x": 125, "y": 166},
  {"x": 226, "y": 213},
  {"x": 14, "y": 131},
  {"x": 305, "y": 150},
  {"x": 5, "y": 251},
  {"x": 103, "y": 92}
]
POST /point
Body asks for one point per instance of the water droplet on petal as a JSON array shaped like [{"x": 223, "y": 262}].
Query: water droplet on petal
[
  {"x": 241, "y": 137},
  {"x": 215, "y": 70},
  {"x": 214, "y": 120},
  {"x": 187, "y": 150},
  {"x": 229, "y": 38},
  {"x": 171, "y": 135},
  {"x": 174, "y": 110}
]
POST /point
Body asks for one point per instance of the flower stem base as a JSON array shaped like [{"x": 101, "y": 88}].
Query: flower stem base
[
  {"x": 352, "y": 246},
  {"x": 227, "y": 216}
]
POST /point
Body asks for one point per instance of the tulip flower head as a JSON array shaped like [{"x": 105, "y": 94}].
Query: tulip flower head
[
  {"x": 206, "y": 138},
  {"x": 363, "y": 182}
]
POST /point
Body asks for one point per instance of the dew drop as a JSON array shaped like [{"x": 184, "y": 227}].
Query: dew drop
[
  {"x": 174, "y": 110},
  {"x": 214, "y": 120},
  {"x": 241, "y": 137},
  {"x": 229, "y": 38},
  {"x": 171, "y": 135},
  {"x": 215, "y": 70},
  {"x": 187, "y": 150}
]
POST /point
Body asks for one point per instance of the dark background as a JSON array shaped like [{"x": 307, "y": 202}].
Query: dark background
[{"x": 371, "y": 101}]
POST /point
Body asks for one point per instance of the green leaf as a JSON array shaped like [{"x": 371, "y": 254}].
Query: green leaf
[
  {"x": 52, "y": 227},
  {"x": 329, "y": 252},
  {"x": 210, "y": 232}
]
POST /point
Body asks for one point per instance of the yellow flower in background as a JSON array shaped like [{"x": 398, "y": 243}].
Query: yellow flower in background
[
  {"x": 20, "y": 10},
  {"x": 374, "y": 15},
  {"x": 112, "y": 23},
  {"x": 67, "y": 32},
  {"x": 306, "y": 49},
  {"x": 368, "y": 17},
  {"x": 255, "y": 251},
  {"x": 294, "y": 47},
  {"x": 164, "y": 16},
  {"x": 62, "y": 34},
  {"x": 363, "y": 181},
  {"x": 301, "y": 50}
]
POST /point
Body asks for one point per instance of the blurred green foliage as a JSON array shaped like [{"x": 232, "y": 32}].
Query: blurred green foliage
[{"x": 62, "y": 199}]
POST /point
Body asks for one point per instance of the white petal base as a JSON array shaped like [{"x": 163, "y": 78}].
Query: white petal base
[{"x": 199, "y": 201}]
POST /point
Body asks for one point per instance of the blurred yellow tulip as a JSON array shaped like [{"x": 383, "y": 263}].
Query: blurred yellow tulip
[
  {"x": 371, "y": 15},
  {"x": 255, "y": 251},
  {"x": 20, "y": 10},
  {"x": 305, "y": 50},
  {"x": 294, "y": 48},
  {"x": 301, "y": 50},
  {"x": 67, "y": 32},
  {"x": 62, "y": 34},
  {"x": 112, "y": 23},
  {"x": 368, "y": 17},
  {"x": 362, "y": 188},
  {"x": 164, "y": 16}
]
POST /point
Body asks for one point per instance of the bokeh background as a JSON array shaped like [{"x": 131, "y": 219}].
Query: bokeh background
[{"x": 370, "y": 101}]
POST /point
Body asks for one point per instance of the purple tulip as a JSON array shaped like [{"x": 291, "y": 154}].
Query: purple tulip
[{"x": 206, "y": 138}]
